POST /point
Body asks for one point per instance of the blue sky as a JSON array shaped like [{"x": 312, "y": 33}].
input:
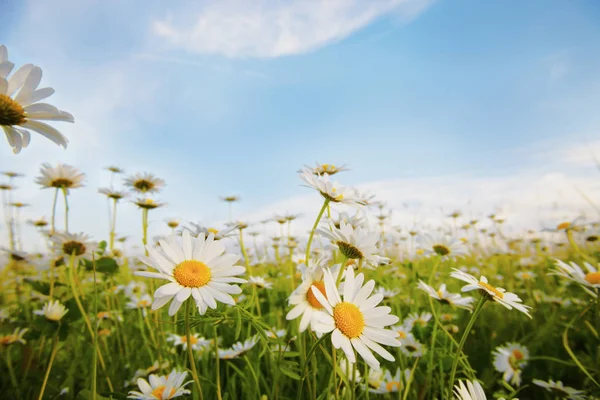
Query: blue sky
[{"x": 235, "y": 96}]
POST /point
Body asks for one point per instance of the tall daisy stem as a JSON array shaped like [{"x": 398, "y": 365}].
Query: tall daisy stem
[
  {"x": 188, "y": 311},
  {"x": 53, "y": 217},
  {"x": 64, "y": 190},
  {"x": 52, "y": 356},
  {"x": 216, "y": 337},
  {"x": 243, "y": 248},
  {"x": 145, "y": 230},
  {"x": 113, "y": 225},
  {"x": 463, "y": 339},
  {"x": 314, "y": 228}
]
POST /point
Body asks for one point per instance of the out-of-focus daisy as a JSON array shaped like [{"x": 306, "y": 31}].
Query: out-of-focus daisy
[
  {"x": 161, "y": 387},
  {"x": 471, "y": 391},
  {"x": 403, "y": 331},
  {"x": 73, "y": 244},
  {"x": 387, "y": 293},
  {"x": 172, "y": 223},
  {"x": 389, "y": 383},
  {"x": 355, "y": 244},
  {"x": 349, "y": 373},
  {"x": 148, "y": 204},
  {"x": 443, "y": 245},
  {"x": 197, "y": 267},
  {"x": 355, "y": 220},
  {"x": 113, "y": 194},
  {"x": 62, "y": 176},
  {"x": 445, "y": 297},
  {"x": 330, "y": 169},
  {"x": 20, "y": 110},
  {"x": 39, "y": 223},
  {"x": 52, "y": 310},
  {"x": 144, "y": 183},
  {"x": 357, "y": 323},
  {"x": 526, "y": 276},
  {"x": 332, "y": 191},
  {"x": 558, "y": 389},
  {"x": 412, "y": 347},
  {"x": 133, "y": 288},
  {"x": 16, "y": 336},
  {"x": 197, "y": 343},
  {"x": 196, "y": 228},
  {"x": 510, "y": 359},
  {"x": 589, "y": 281},
  {"x": 238, "y": 349},
  {"x": 499, "y": 295},
  {"x": 260, "y": 282},
  {"x": 142, "y": 302},
  {"x": 275, "y": 333},
  {"x": 416, "y": 319}
]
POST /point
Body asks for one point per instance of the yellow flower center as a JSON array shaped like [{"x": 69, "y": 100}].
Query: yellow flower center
[
  {"x": 62, "y": 183},
  {"x": 11, "y": 112},
  {"x": 143, "y": 185},
  {"x": 517, "y": 354},
  {"x": 159, "y": 392},
  {"x": 310, "y": 297},
  {"x": 402, "y": 334},
  {"x": 103, "y": 315},
  {"x": 173, "y": 224},
  {"x": 593, "y": 278},
  {"x": 73, "y": 247},
  {"x": 349, "y": 250},
  {"x": 349, "y": 319},
  {"x": 213, "y": 231},
  {"x": 193, "y": 339},
  {"x": 441, "y": 249},
  {"x": 492, "y": 289},
  {"x": 192, "y": 273},
  {"x": 563, "y": 225},
  {"x": 526, "y": 275},
  {"x": 143, "y": 303},
  {"x": 393, "y": 384}
]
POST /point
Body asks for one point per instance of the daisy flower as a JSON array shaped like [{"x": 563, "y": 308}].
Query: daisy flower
[
  {"x": 389, "y": 383},
  {"x": 471, "y": 391},
  {"x": 197, "y": 343},
  {"x": 144, "y": 183},
  {"x": 238, "y": 349},
  {"x": 197, "y": 267},
  {"x": 113, "y": 194},
  {"x": 355, "y": 244},
  {"x": 329, "y": 169},
  {"x": 62, "y": 176},
  {"x": 510, "y": 359},
  {"x": 20, "y": 110},
  {"x": 526, "y": 276},
  {"x": 558, "y": 389},
  {"x": 499, "y": 295},
  {"x": 77, "y": 245},
  {"x": 412, "y": 347},
  {"x": 139, "y": 303},
  {"x": 445, "y": 297},
  {"x": 52, "y": 310},
  {"x": 16, "y": 336},
  {"x": 148, "y": 204},
  {"x": 331, "y": 191},
  {"x": 415, "y": 319},
  {"x": 197, "y": 228},
  {"x": 387, "y": 293},
  {"x": 260, "y": 282},
  {"x": 403, "y": 331},
  {"x": 161, "y": 387},
  {"x": 443, "y": 245},
  {"x": 589, "y": 281},
  {"x": 357, "y": 323}
]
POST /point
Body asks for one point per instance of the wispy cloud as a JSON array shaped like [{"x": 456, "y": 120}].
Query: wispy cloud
[{"x": 268, "y": 28}]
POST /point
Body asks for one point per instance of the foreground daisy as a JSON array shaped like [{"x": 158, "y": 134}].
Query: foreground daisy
[
  {"x": 499, "y": 295},
  {"x": 356, "y": 322},
  {"x": 558, "y": 389},
  {"x": 52, "y": 310},
  {"x": 20, "y": 110},
  {"x": 445, "y": 297},
  {"x": 471, "y": 391},
  {"x": 589, "y": 281},
  {"x": 510, "y": 360},
  {"x": 161, "y": 387},
  {"x": 197, "y": 267}
]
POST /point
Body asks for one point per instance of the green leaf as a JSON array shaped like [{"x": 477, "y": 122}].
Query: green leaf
[
  {"x": 105, "y": 265},
  {"x": 289, "y": 372}
]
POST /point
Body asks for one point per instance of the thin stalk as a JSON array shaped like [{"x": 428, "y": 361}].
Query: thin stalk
[
  {"x": 145, "y": 229},
  {"x": 188, "y": 311},
  {"x": 53, "y": 217},
  {"x": 243, "y": 248},
  {"x": 11, "y": 373},
  {"x": 314, "y": 228},
  {"x": 113, "y": 225},
  {"x": 95, "y": 358},
  {"x": 215, "y": 335},
  {"x": 64, "y": 190},
  {"x": 463, "y": 339},
  {"x": 52, "y": 356}
]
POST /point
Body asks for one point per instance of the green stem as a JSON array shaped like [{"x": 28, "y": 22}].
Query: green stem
[
  {"x": 52, "y": 356},
  {"x": 95, "y": 358},
  {"x": 463, "y": 339},
  {"x": 113, "y": 225},
  {"x": 216, "y": 337},
  {"x": 188, "y": 311},
  {"x": 243, "y": 249},
  {"x": 53, "y": 217},
  {"x": 11, "y": 372},
  {"x": 145, "y": 229},
  {"x": 314, "y": 228},
  {"x": 341, "y": 271},
  {"x": 64, "y": 190}
]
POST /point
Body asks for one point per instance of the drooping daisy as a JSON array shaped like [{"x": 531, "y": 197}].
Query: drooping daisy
[
  {"x": 558, "y": 389},
  {"x": 62, "y": 176},
  {"x": 20, "y": 110},
  {"x": 590, "y": 281},
  {"x": 412, "y": 347},
  {"x": 499, "y": 295},
  {"x": 144, "y": 183},
  {"x": 510, "y": 359},
  {"x": 52, "y": 310},
  {"x": 471, "y": 391},
  {"x": 331, "y": 191},
  {"x": 197, "y": 267},
  {"x": 260, "y": 282},
  {"x": 355, "y": 244},
  {"x": 391, "y": 384},
  {"x": 16, "y": 336},
  {"x": 78, "y": 245},
  {"x": 443, "y": 245},
  {"x": 357, "y": 323},
  {"x": 161, "y": 387},
  {"x": 238, "y": 349},
  {"x": 197, "y": 343},
  {"x": 445, "y": 297}
]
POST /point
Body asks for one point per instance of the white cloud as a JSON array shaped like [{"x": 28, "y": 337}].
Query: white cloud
[{"x": 270, "y": 28}]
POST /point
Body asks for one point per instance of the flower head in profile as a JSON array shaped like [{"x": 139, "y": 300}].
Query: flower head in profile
[
  {"x": 510, "y": 359},
  {"x": 62, "y": 176},
  {"x": 77, "y": 245},
  {"x": 197, "y": 342},
  {"x": 20, "y": 107},
  {"x": 194, "y": 266},
  {"x": 16, "y": 336},
  {"x": 329, "y": 169},
  {"x": 331, "y": 191},
  {"x": 238, "y": 349},
  {"x": 557, "y": 388},
  {"x": 355, "y": 244},
  {"x": 497, "y": 294},
  {"x": 196, "y": 229},
  {"x": 588, "y": 279},
  {"x": 161, "y": 387},
  {"x": 144, "y": 183},
  {"x": 259, "y": 282},
  {"x": 356, "y": 322},
  {"x": 148, "y": 204},
  {"x": 113, "y": 194},
  {"x": 416, "y": 319},
  {"x": 443, "y": 246},
  {"x": 52, "y": 310},
  {"x": 445, "y": 297}
]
